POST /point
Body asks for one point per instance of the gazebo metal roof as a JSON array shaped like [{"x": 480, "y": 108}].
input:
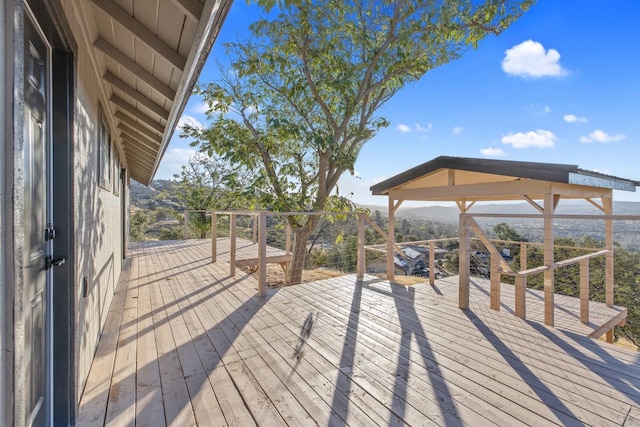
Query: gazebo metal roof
[{"x": 453, "y": 178}]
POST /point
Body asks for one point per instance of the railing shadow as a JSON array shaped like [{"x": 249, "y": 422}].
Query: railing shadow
[
  {"x": 411, "y": 326},
  {"x": 544, "y": 393},
  {"x": 209, "y": 348}
]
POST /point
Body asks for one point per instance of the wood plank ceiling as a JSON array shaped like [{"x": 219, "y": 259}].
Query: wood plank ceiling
[{"x": 149, "y": 54}]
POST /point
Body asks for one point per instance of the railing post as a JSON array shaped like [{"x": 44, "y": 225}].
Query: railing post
[
  {"x": 287, "y": 237},
  {"x": 521, "y": 285},
  {"x": 262, "y": 255},
  {"x": 584, "y": 291},
  {"x": 232, "y": 245},
  {"x": 463, "y": 263},
  {"x": 495, "y": 282},
  {"x": 361, "y": 253},
  {"x": 255, "y": 229},
  {"x": 521, "y": 297},
  {"x": 186, "y": 225},
  {"x": 390, "y": 242},
  {"x": 214, "y": 236},
  {"x": 432, "y": 263}
]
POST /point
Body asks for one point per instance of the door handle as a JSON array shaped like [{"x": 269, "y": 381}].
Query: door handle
[{"x": 57, "y": 262}]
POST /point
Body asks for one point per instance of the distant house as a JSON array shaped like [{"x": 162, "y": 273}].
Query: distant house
[
  {"x": 92, "y": 91},
  {"x": 412, "y": 254}
]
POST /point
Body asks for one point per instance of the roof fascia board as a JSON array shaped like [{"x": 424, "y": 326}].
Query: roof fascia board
[{"x": 593, "y": 181}]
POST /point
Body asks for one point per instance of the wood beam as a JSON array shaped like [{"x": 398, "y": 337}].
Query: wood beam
[
  {"x": 137, "y": 96},
  {"x": 136, "y": 141},
  {"x": 139, "y": 163},
  {"x": 473, "y": 225},
  {"x": 191, "y": 8},
  {"x": 141, "y": 33},
  {"x": 128, "y": 63},
  {"x": 533, "y": 203},
  {"x": 397, "y": 205},
  {"x": 451, "y": 177},
  {"x": 463, "y": 206},
  {"x": 151, "y": 135},
  {"x": 594, "y": 203},
  {"x": 471, "y": 191},
  {"x": 574, "y": 190},
  {"x": 133, "y": 111},
  {"x": 139, "y": 151}
]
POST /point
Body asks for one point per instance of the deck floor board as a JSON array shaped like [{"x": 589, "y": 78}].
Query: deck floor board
[{"x": 185, "y": 344}]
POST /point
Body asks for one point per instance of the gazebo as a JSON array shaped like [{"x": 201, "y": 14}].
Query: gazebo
[{"x": 466, "y": 181}]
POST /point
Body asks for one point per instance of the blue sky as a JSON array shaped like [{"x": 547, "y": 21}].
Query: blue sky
[{"x": 561, "y": 85}]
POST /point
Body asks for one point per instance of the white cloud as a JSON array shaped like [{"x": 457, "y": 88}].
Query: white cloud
[
  {"x": 200, "y": 108},
  {"x": 403, "y": 128},
  {"x": 457, "y": 130},
  {"x": 572, "y": 118},
  {"x": 493, "y": 152},
  {"x": 601, "y": 136},
  {"x": 539, "y": 138},
  {"x": 423, "y": 129},
  {"x": 172, "y": 162},
  {"x": 529, "y": 59},
  {"x": 187, "y": 119},
  {"x": 547, "y": 109}
]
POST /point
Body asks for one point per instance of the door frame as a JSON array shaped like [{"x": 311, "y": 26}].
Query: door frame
[{"x": 49, "y": 15}]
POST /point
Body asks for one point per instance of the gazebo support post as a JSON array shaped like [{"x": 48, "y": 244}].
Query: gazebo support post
[
  {"x": 549, "y": 276},
  {"x": 463, "y": 263},
  {"x": 391, "y": 237}
]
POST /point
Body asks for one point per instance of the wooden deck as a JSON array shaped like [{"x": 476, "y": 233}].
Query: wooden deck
[
  {"x": 185, "y": 344},
  {"x": 567, "y": 309}
]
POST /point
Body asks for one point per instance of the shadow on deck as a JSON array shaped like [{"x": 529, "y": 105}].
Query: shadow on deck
[{"x": 185, "y": 344}]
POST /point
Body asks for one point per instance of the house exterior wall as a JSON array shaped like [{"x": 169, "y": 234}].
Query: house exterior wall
[
  {"x": 96, "y": 222},
  {"x": 97, "y": 216}
]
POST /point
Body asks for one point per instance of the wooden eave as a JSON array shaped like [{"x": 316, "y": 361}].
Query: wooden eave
[
  {"x": 148, "y": 54},
  {"x": 453, "y": 178}
]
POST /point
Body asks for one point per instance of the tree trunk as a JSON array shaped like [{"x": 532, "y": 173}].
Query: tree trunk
[{"x": 301, "y": 236}]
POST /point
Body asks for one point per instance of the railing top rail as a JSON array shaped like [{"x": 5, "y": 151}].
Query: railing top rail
[
  {"x": 271, "y": 213},
  {"x": 556, "y": 216}
]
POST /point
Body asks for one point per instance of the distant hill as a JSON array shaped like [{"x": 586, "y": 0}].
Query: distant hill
[{"x": 449, "y": 214}]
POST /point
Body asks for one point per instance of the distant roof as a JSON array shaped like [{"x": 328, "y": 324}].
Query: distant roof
[{"x": 503, "y": 180}]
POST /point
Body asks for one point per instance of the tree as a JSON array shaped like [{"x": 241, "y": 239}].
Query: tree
[
  {"x": 303, "y": 92},
  {"x": 139, "y": 221},
  {"x": 505, "y": 232},
  {"x": 207, "y": 183}
]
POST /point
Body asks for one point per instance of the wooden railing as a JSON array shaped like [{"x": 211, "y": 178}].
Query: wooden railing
[{"x": 260, "y": 238}]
